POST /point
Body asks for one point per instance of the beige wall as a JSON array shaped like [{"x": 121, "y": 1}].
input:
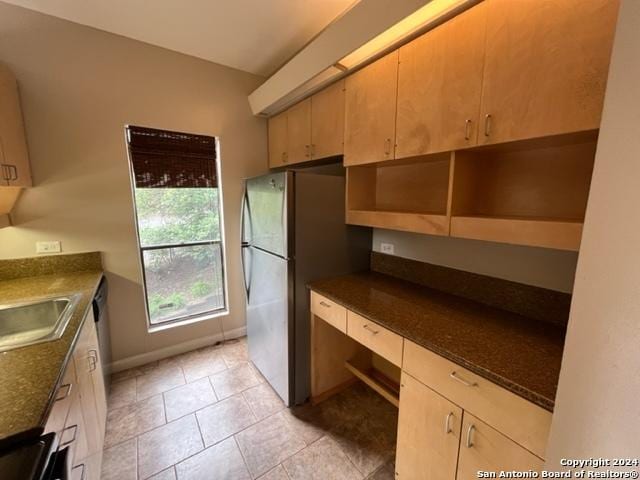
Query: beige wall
[
  {"x": 79, "y": 87},
  {"x": 554, "y": 269},
  {"x": 597, "y": 412}
]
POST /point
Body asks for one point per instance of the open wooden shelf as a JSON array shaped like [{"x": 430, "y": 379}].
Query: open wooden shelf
[
  {"x": 526, "y": 194},
  {"x": 433, "y": 224},
  {"x": 536, "y": 232},
  {"x": 532, "y": 192},
  {"x": 401, "y": 195},
  {"x": 375, "y": 379}
]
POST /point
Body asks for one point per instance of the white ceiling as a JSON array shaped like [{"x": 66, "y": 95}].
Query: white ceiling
[{"x": 256, "y": 36}]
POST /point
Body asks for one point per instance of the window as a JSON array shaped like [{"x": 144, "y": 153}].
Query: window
[{"x": 177, "y": 201}]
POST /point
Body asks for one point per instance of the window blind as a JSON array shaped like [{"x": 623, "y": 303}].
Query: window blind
[{"x": 163, "y": 159}]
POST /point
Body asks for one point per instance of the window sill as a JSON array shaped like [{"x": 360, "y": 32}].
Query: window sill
[{"x": 188, "y": 321}]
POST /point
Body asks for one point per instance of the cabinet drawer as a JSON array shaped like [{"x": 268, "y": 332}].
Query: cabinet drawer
[
  {"x": 517, "y": 418},
  {"x": 484, "y": 448},
  {"x": 329, "y": 311},
  {"x": 375, "y": 337}
]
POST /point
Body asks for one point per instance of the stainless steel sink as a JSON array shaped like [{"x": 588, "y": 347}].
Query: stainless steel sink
[{"x": 36, "y": 321}]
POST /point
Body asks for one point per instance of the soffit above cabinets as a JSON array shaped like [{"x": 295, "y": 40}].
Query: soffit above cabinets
[{"x": 365, "y": 32}]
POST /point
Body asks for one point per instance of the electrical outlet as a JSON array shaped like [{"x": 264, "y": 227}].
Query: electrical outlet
[
  {"x": 387, "y": 248},
  {"x": 48, "y": 247}
]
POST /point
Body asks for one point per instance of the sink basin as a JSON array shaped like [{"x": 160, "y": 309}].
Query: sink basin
[{"x": 36, "y": 321}]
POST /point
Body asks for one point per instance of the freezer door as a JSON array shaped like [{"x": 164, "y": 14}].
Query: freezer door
[
  {"x": 269, "y": 315},
  {"x": 267, "y": 212}
]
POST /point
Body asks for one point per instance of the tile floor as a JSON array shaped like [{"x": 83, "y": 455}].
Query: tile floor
[{"x": 209, "y": 414}]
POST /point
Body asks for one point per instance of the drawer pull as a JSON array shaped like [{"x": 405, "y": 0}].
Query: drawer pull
[
  {"x": 472, "y": 429},
  {"x": 73, "y": 438},
  {"x": 447, "y": 424},
  {"x": 455, "y": 376},
  {"x": 324, "y": 304},
  {"x": 68, "y": 387},
  {"x": 372, "y": 330}
]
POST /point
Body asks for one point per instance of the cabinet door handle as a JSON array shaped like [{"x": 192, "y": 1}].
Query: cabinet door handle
[
  {"x": 6, "y": 173},
  {"x": 313, "y": 150},
  {"x": 81, "y": 465},
  {"x": 68, "y": 387},
  {"x": 387, "y": 146},
  {"x": 324, "y": 304},
  {"x": 467, "y": 129},
  {"x": 307, "y": 150},
  {"x": 73, "y": 438},
  {"x": 93, "y": 359},
  {"x": 447, "y": 423},
  {"x": 372, "y": 330},
  {"x": 14, "y": 175},
  {"x": 284, "y": 157},
  {"x": 467, "y": 383},
  {"x": 472, "y": 429},
  {"x": 487, "y": 125}
]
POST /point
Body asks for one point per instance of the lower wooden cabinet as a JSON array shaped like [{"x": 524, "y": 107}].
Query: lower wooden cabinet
[
  {"x": 78, "y": 415},
  {"x": 86, "y": 358},
  {"x": 484, "y": 448},
  {"x": 429, "y": 429},
  {"x": 439, "y": 440}
]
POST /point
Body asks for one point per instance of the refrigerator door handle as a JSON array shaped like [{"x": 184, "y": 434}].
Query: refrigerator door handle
[
  {"x": 247, "y": 288},
  {"x": 245, "y": 214}
]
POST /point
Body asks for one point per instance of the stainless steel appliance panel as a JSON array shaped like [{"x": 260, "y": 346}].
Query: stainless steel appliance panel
[
  {"x": 266, "y": 214},
  {"x": 269, "y": 329}
]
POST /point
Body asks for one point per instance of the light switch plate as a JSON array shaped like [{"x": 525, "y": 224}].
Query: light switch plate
[
  {"x": 387, "y": 248},
  {"x": 48, "y": 247}
]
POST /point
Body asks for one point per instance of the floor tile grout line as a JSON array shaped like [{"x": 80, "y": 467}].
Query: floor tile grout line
[
  {"x": 194, "y": 413},
  {"x": 204, "y": 447},
  {"x": 204, "y": 444},
  {"x": 244, "y": 460}
]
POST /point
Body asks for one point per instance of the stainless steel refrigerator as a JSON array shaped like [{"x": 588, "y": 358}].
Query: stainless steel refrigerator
[{"x": 293, "y": 231}]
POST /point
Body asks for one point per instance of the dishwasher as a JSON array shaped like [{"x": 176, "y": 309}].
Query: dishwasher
[{"x": 102, "y": 327}]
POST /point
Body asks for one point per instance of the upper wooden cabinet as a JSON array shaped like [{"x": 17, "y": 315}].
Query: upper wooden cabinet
[
  {"x": 439, "y": 87},
  {"x": 299, "y": 132},
  {"x": 327, "y": 122},
  {"x": 14, "y": 159},
  {"x": 278, "y": 140},
  {"x": 370, "y": 112},
  {"x": 310, "y": 130},
  {"x": 546, "y": 66}
]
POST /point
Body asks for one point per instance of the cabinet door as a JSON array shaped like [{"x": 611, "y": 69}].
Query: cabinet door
[
  {"x": 91, "y": 388},
  {"x": 370, "y": 112},
  {"x": 277, "y": 127},
  {"x": 97, "y": 380},
  {"x": 15, "y": 170},
  {"x": 484, "y": 448},
  {"x": 545, "y": 67},
  {"x": 299, "y": 132},
  {"x": 440, "y": 85},
  {"x": 428, "y": 433},
  {"x": 327, "y": 121}
]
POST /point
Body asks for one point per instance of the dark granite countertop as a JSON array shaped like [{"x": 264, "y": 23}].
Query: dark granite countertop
[
  {"x": 29, "y": 375},
  {"x": 518, "y": 353}
]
